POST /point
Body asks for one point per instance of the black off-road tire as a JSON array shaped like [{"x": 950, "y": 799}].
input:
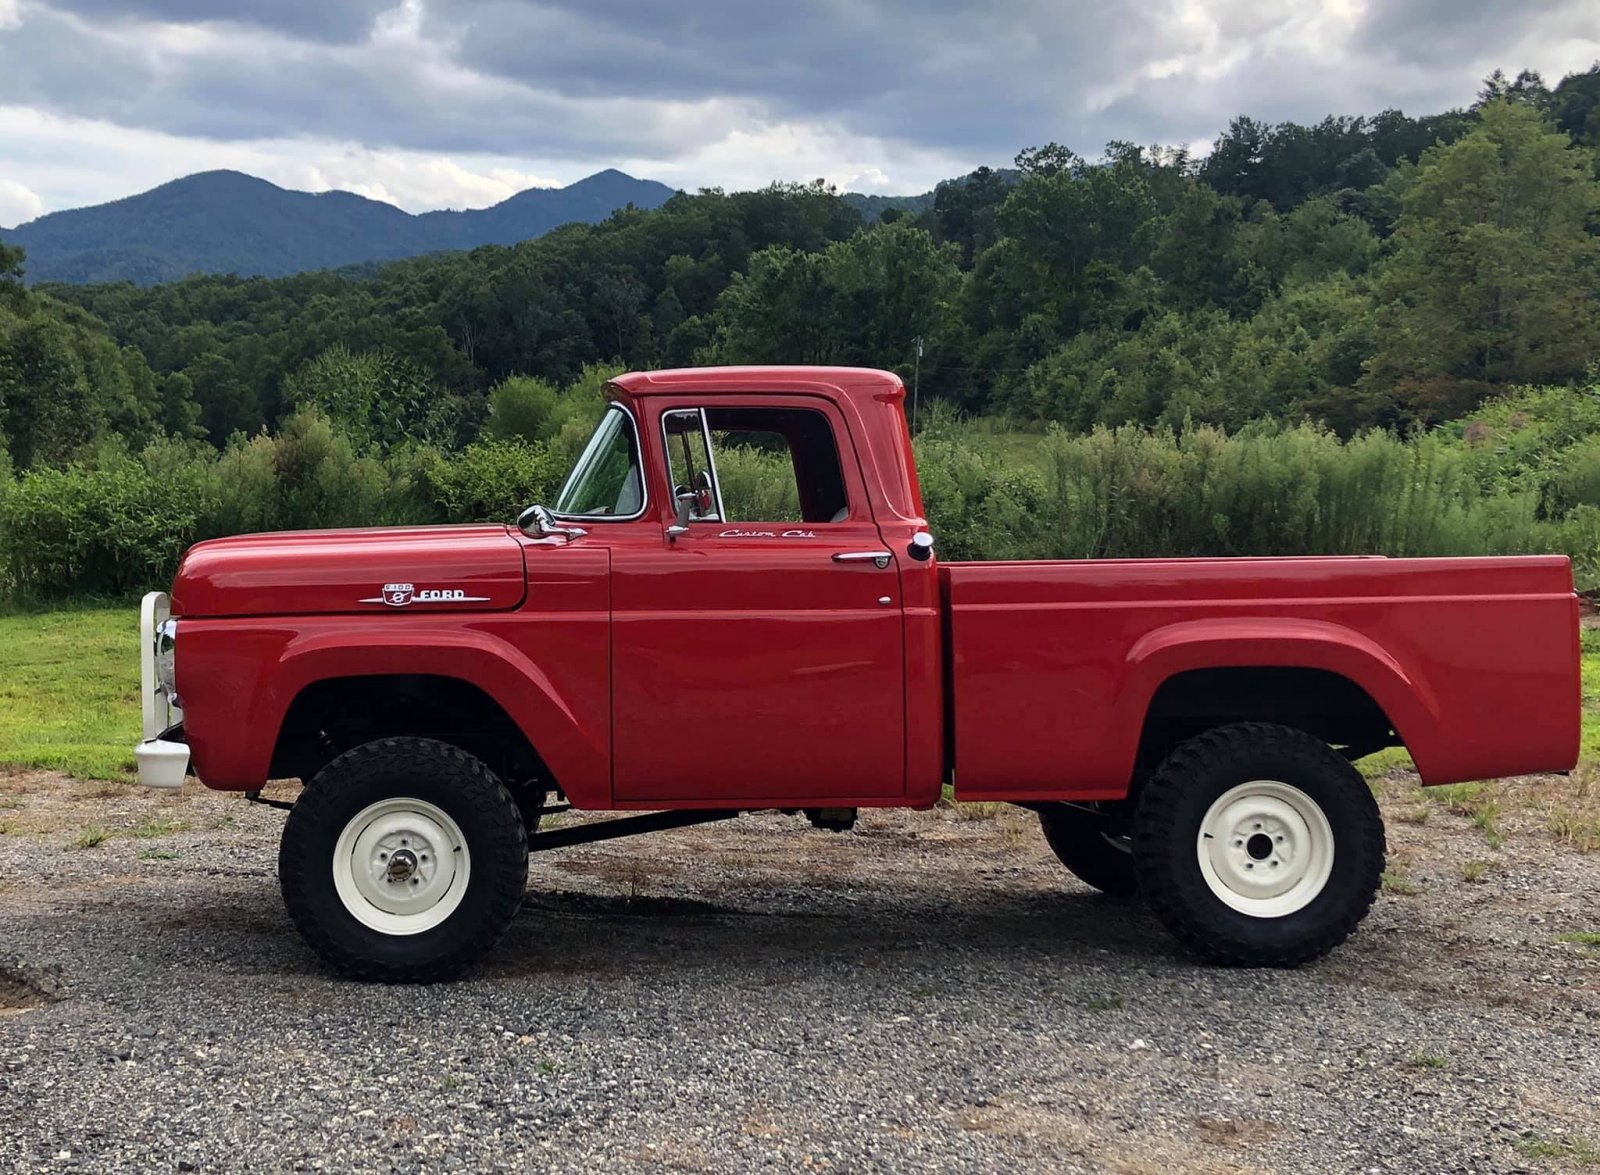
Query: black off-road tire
[
  {"x": 1167, "y": 826},
  {"x": 439, "y": 774},
  {"x": 530, "y": 798},
  {"x": 1080, "y": 841}
]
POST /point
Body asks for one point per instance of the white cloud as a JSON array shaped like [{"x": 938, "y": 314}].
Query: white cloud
[
  {"x": 460, "y": 103},
  {"x": 18, "y": 205},
  {"x": 417, "y": 182},
  {"x": 72, "y": 162},
  {"x": 757, "y": 155},
  {"x": 870, "y": 180}
]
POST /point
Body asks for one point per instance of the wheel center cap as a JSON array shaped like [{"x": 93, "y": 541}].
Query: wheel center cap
[{"x": 402, "y": 864}]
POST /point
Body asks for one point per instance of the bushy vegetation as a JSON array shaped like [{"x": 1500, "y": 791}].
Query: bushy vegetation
[
  {"x": 1523, "y": 477},
  {"x": 1297, "y": 490},
  {"x": 115, "y": 523},
  {"x": 1315, "y": 339}
]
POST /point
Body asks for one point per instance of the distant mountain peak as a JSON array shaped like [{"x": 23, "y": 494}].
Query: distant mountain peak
[
  {"x": 219, "y": 177},
  {"x": 226, "y": 221}
]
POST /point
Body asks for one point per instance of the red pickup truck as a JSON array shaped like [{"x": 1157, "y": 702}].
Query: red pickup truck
[{"x": 650, "y": 643}]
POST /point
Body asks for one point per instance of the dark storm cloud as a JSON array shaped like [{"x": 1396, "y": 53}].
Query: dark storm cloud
[
  {"x": 603, "y": 79},
  {"x": 319, "y": 20},
  {"x": 940, "y": 72},
  {"x": 1443, "y": 30},
  {"x": 242, "y": 89}
]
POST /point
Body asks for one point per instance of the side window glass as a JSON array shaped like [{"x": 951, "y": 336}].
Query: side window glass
[
  {"x": 689, "y": 464},
  {"x": 777, "y": 465}
]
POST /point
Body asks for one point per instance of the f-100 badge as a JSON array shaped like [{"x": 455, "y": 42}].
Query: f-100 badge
[{"x": 398, "y": 595}]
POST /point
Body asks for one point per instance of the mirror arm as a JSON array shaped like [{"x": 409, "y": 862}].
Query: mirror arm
[
  {"x": 537, "y": 522},
  {"x": 683, "y": 504}
]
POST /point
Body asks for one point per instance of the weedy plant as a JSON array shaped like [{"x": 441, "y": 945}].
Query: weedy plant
[{"x": 1396, "y": 883}]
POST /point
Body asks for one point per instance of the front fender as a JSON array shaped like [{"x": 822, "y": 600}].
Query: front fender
[{"x": 240, "y": 677}]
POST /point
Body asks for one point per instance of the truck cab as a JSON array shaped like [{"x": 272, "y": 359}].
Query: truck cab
[
  {"x": 772, "y": 613},
  {"x": 735, "y": 603}
]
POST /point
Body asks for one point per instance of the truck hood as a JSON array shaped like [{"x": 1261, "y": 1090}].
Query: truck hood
[{"x": 412, "y": 569}]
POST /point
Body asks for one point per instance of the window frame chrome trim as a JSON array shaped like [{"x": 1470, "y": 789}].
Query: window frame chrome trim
[
  {"x": 644, "y": 480},
  {"x": 711, "y": 458}
]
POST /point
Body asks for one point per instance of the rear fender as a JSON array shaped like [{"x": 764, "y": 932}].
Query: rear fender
[{"x": 1245, "y": 642}]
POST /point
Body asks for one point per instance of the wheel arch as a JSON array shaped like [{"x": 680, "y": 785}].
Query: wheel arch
[
  {"x": 332, "y": 715},
  {"x": 442, "y": 680},
  {"x": 1315, "y": 676}
]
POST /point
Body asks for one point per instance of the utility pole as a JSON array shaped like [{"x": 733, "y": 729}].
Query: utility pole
[{"x": 916, "y": 373}]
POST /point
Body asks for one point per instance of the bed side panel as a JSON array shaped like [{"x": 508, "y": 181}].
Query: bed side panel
[{"x": 1053, "y": 665}]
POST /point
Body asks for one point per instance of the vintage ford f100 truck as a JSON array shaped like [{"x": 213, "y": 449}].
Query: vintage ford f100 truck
[{"x": 1184, "y": 728}]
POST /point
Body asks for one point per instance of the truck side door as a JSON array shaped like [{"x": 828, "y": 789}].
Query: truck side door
[{"x": 758, "y": 657}]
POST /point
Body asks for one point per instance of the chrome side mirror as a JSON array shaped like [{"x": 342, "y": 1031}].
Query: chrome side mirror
[
  {"x": 684, "y": 503},
  {"x": 538, "y": 523}
]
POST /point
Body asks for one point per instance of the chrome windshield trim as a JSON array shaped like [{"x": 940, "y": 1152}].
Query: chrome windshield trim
[{"x": 638, "y": 453}]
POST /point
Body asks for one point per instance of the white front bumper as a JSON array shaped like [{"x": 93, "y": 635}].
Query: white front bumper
[{"x": 162, "y": 762}]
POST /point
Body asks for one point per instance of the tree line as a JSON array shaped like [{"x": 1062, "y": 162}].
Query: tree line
[
  {"x": 1360, "y": 272},
  {"x": 1388, "y": 273}
]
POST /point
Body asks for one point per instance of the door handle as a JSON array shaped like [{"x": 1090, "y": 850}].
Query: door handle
[{"x": 880, "y": 558}]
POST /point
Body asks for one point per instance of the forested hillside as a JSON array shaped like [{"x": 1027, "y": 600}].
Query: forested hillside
[
  {"x": 227, "y": 222},
  {"x": 1385, "y": 272}
]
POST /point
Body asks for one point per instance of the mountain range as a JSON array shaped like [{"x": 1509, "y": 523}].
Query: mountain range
[{"x": 228, "y": 222}]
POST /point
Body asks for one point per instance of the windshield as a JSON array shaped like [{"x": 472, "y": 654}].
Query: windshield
[{"x": 605, "y": 482}]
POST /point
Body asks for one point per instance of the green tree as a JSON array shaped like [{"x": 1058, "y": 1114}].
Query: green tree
[
  {"x": 1575, "y": 105},
  {"x": 180, "y": 415},
  {"x": 1496, "y": 272},
  {"x": 50, "y": 409},
  {"x": 227, "y": 403},
  {"x": 11, "y": 263},
  {"x": 861, "y": 301},
  {"x": 1072, "y": 229},
  {"x": 64, "y": 385},
  {"x": 521, "y": 409},
  {"x": 375, "y": 398}
]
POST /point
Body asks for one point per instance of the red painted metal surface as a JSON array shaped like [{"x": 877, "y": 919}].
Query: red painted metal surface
[
  {"x": 547, "y": 665},
  {"x": 729, "y": 669},
  {"x": 1474, "y": 661},
  {"x": 445, "y": 568}
]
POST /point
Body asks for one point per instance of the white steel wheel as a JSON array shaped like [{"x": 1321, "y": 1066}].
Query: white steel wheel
[
  {"x": 401, "y": 866},
  {"x": 1266, "y": 848}
]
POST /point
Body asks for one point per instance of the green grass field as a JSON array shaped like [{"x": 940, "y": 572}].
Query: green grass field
[
  {"x": 69, "y": 690},
  {"x": 1591, "y": 694},
  {"x": 69, "y": 693}
]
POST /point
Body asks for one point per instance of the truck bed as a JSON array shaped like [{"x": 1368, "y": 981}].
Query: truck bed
[{"x": 1052, "y": 666}]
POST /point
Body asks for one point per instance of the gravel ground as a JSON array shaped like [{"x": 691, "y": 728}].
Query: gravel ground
[{"x": 929, "y": 992}]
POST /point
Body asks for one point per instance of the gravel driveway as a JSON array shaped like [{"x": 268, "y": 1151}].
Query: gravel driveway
[{"x": 929, "y": 992}]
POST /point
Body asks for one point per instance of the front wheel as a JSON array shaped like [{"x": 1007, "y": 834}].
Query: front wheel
[
  {"x": 1258, "y": 845},
  {"x": 404, "y": 861}
]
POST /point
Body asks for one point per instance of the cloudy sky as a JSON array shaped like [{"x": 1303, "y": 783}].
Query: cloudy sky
[{"x": 459, "y": 103}]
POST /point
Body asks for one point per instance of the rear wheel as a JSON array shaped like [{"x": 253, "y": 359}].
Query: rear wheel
[
  {"x": 1258, "y": 845},
  {"x": 404, "y": 860},
  {"x": 1092, "y": 849}
]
